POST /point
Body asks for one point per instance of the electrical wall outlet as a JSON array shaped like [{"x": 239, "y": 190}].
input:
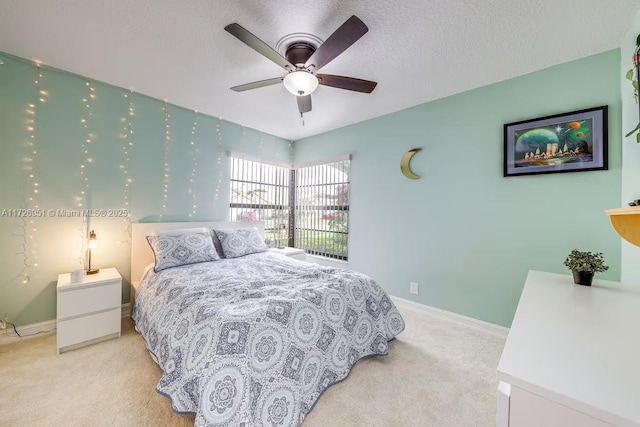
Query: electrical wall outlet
[
  {"x": 3, "y": 323},
  {"x": 413, "y": 288}
]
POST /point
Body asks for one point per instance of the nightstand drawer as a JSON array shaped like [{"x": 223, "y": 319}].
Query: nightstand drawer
[
  {"x": 89, "y": 299},
  {"x": 86, "y": 328}
]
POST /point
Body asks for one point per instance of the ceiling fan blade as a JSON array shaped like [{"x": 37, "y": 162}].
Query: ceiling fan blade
[
  {"x": 256, "y": 85},
  {"x": 348, "y": 33},
  {"x": 348, "y": 83},
  {"x": 258, "y": 45},
  {"x": 304, "y": 103}
]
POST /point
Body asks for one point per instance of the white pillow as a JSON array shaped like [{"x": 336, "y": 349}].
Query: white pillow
[{"x": 180, "y": 231}]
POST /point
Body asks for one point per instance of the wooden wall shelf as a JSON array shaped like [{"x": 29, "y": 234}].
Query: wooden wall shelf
[{"x": 626, "y": 222}]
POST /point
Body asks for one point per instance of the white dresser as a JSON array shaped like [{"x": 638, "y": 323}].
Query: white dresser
[
  {"x": 290, "y": 252},
  {"x": 572, "y": 357},
  {"x": 88, "y": 311}
]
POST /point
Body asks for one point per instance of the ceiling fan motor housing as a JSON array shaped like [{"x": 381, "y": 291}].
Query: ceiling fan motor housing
[{"x": 298, "y": 52}]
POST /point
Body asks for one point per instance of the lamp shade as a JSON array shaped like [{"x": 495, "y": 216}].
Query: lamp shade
[
  {"x": 300, "y": 83},
  {"x": 93, "y": 240}
]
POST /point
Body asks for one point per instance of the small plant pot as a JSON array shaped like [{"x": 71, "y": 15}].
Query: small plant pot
[{"x": 584, "y": 278}]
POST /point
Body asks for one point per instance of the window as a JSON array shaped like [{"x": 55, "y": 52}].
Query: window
[
  {"x": 322, "y": 209},
  {"x": 260, "y": 192},
  {"x": 306, "y": 207}
]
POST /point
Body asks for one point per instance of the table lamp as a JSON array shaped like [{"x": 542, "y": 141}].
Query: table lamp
[{"x": 93, "y": 242}]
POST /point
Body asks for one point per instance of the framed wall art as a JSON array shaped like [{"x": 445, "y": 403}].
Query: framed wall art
[{"x": 570, "y": 142}]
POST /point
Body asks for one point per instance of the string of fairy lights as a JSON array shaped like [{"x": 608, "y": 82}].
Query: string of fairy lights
[
  {"x": 291, "y": 153},
  {"x": 167, "y": 169},
  {"x": 261, "y": 147},
  {"x": 277, "y": 148},
  {"x": 194, "y": 164},
  {"x": 27, "y": 226},
  {"x": 243, "y": 137},
  {"x": 32, "y": 111},
  {"x": 85, "y": 145},
  {"x": 127, "y": 145},
  {"x": 220, "y": 154}
]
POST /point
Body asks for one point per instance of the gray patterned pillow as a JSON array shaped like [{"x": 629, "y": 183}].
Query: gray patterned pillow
[
  {"x": 244, "y": 241},
  {"x": 184, "y": 249}
]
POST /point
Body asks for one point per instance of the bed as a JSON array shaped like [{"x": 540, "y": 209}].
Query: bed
[{"x": 255, "y": 340}]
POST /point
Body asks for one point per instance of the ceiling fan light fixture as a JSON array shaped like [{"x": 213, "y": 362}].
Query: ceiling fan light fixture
[{"x": 300, "y": 83}]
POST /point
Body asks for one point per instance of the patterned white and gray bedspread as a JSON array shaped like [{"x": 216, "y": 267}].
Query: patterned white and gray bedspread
[{"x": 256, "y": 340}]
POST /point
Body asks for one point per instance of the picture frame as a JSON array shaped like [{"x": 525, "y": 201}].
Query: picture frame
[{"x": 575, "y": 141}]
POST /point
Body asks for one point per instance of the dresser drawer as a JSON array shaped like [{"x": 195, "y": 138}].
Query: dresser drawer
[
  {"x": 529, "y": 410},
  {"x": 87, "y": 328},
  {"x": 79, "y": 301}
]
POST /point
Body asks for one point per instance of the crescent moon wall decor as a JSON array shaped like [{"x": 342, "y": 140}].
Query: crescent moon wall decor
[{"x": 405, "y": 166}]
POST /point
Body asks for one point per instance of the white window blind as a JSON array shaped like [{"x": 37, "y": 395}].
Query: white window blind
[
  {"x": 261, "y": 192},
  {"x": 322, "y": 209},
  {"x": 305, "y": 207}
]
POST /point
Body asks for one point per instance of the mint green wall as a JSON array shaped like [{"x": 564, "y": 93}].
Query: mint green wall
[
  {"x": 57, "y": 244},
  {"x": 467, "y": 235},
  {"x": 463, "y": 232},
  {"x": 630, "y": 153}
]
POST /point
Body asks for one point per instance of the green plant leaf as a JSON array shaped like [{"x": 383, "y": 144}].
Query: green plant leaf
[
  {"x": 638, "y": 40},
  {"x": 586, "y": 261},
  {"x": 638, "y": 138},
  {"x": 630, "y": 74},
  {"x": 635, "y": 84},
  {"x": 633, "y": 131}
]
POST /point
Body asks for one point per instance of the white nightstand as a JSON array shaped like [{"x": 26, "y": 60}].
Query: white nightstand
[
  {"x": 290, "y": 252},
  {"x": 88, "y": 311}
]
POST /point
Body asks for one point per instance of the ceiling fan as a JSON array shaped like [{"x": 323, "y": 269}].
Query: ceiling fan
[{"x": 303, "y": 60}]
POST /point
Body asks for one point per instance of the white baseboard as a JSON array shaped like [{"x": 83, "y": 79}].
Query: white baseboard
[
  {"x": 47, "y": 327},
  {"x": 496, "y": 330},
  {"x": 34, "y": 330}
]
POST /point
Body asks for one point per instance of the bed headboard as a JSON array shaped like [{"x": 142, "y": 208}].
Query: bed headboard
[{"x": 141, "y": 253}]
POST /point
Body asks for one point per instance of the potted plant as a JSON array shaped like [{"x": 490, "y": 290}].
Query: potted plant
[{"x": 584, "y": 265}]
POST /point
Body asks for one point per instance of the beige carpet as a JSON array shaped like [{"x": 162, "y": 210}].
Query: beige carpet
[{"x": 437, "y": 374}]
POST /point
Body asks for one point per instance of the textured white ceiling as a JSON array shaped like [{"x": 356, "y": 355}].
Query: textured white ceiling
[{"x": 417, "y": 50}]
